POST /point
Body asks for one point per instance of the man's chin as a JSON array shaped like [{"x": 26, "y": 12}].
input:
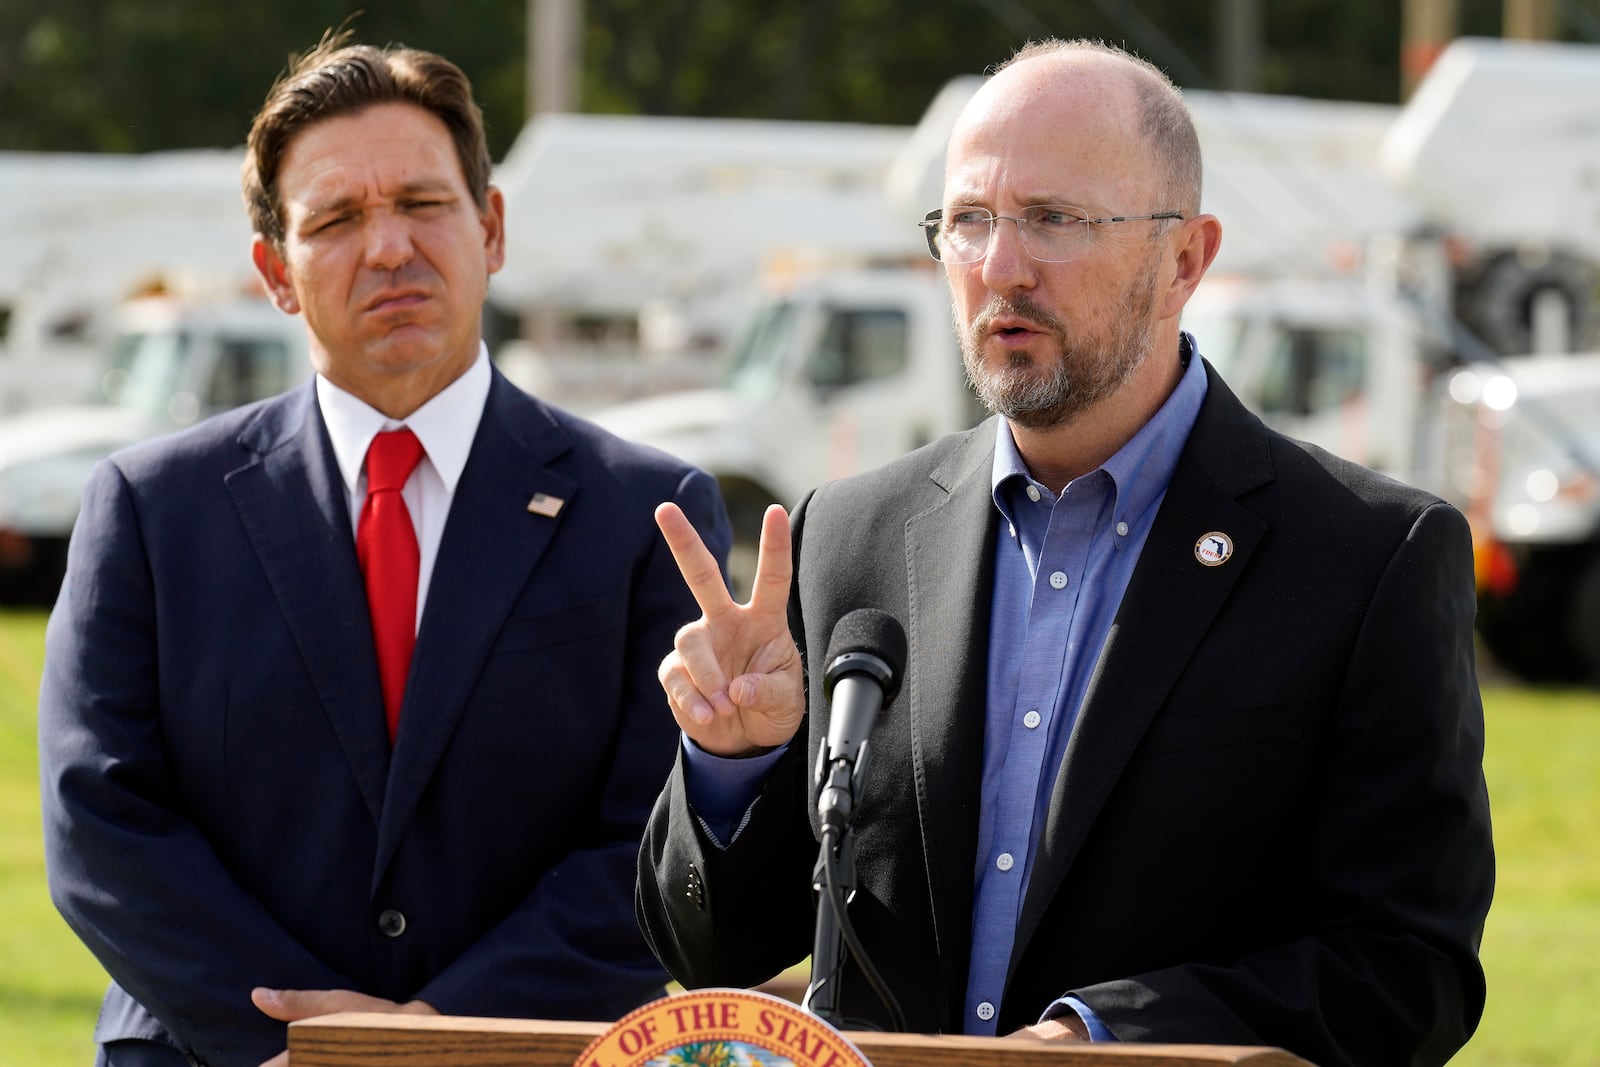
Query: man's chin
[
  {"x": 1045, "y": 418},
  {"x": 1023, "y": 353},
  {"x": 1013, "y": 379},
  {"x": 1033, "y": 412},
  {"x": 404, "y": 343}
]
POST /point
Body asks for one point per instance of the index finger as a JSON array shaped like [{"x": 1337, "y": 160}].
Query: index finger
[{"x": 695, "y": 562}]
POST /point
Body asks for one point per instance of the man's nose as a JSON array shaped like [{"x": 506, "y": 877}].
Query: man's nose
[
  {"x": 1006, "y": 263},
  {"x": 388, "y": 242}
]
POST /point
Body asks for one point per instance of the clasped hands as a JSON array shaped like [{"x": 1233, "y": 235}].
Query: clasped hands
[{"x": 292, "y": 1005}]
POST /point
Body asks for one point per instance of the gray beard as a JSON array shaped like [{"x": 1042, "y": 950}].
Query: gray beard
[{"x": 1085, "y": 371}]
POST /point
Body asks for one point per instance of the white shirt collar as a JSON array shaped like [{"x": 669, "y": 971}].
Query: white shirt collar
[{"x": 446, "y": 424}]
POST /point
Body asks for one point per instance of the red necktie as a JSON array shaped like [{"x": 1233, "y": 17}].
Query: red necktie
[{"x": 386, "y": 545}]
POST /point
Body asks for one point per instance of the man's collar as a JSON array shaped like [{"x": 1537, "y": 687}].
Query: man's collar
[{"x": 446, "y": 424}]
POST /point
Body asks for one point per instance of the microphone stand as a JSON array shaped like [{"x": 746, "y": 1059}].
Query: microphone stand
[
  {"x": 834, "y": 880},
  {"x": 865, "y": 657}
]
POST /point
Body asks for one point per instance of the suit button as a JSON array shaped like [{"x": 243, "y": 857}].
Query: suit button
[{"x": 392, "y": 922}]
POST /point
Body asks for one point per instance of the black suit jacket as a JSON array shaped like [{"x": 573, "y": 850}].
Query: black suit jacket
[
  {"x": 1270, "y": 826},
  {"x": 222, "y": 805}
]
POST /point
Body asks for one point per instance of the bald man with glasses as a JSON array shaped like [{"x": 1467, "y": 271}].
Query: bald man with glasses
[{"x": 1188, "y": 744}]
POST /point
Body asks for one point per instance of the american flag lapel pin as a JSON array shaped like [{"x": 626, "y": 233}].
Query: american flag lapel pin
[{"x": 546, "y": 505}]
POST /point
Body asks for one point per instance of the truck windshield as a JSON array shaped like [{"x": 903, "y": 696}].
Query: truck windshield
[
  {"x": 143, "y": 369},
  {"x": 756, "y": 365}
]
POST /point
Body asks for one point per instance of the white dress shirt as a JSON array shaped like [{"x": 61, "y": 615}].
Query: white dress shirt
[{"x": 446, "y": 426}]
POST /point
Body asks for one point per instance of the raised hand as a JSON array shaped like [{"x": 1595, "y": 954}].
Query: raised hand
[{"x": 733, "y": 677}]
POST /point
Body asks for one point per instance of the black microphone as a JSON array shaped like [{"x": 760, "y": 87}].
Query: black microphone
[{"x": 866, "y": 658}]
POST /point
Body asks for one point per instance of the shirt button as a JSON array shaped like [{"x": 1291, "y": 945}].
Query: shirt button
[
  {"x": 1058, "y": 580},
  {"x": 1004, "y": 861},
  {"x": 392, "y": 923},
  {"x": 1033, "y": 495},
  {"x": 1031, "y": 720},
  {"x": 1122, "y": 529},
  {"x": 986, "y": 1011}
]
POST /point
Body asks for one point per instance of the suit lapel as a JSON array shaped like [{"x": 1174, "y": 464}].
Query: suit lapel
[
  {"x": 1169, "y": 604},
  {"x": 950, "y": 548},
  {"x": 292, "y": 503},
  {"x": 490, "y": 546}
]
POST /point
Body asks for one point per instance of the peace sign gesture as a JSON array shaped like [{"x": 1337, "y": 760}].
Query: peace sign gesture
[{"x": 733, "y": 676}]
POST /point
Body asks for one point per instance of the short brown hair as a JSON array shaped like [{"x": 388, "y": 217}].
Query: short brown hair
[
  {"x": 1164, "y": 117},
  {"x": 336, "y": 79}
]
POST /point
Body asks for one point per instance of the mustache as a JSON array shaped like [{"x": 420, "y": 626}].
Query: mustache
[
  {"x": 1019, "y": 305},
  {"x": 409, "y": 275}
]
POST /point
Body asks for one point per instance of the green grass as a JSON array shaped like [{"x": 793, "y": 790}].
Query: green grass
[
  {"x": 49, "y": 984},
  {"x": 1539, "y": 950},
  {"x": 1544, "y": 930}
]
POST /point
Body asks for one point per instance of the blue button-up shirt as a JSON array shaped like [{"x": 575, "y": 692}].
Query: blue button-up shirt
[{"x": 1060, "y": 569}]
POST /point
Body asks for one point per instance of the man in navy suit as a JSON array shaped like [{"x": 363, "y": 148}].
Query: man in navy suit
[
  {"x": 1189, "y": 745},
  {"x": 261, "y": 802}
]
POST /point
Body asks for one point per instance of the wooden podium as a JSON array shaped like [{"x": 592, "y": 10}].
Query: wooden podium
[{"x": 362, "y": 1040}]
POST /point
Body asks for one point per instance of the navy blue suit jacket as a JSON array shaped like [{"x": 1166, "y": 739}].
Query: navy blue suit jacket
[{"x": 222, "y": 805}]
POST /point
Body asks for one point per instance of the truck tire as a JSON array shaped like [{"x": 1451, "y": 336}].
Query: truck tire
[
  {"x": 1528, "y": 632},
  {"x": 1585, "y": 629},
  {"x": 35, "y": 583},
  {"x": 1496, "y": 299}
]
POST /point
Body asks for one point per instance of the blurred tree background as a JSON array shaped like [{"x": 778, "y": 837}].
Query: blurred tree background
[{"x": 142, "y": 75}]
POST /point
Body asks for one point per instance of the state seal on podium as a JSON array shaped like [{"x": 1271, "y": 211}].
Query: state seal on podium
[{"x": 721, "y": 1028}]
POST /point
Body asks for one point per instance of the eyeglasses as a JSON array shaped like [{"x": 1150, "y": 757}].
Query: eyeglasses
[{"x": 1050, "y": 233}]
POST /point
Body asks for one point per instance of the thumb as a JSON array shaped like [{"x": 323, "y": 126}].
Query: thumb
[
  {"x": 770, "y": 705},
  {"x": 272, "y": 1002},
  {"x": 292, "y": 1005},
  {"x": 770, "y": 683},
  {"x": 763, "y": 694}
]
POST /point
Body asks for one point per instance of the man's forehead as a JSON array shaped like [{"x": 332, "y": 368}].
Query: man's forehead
[
  {"x": 395, "y": 129},
  {"x": 1043, "y": 152},
  {"x": 345, "y": 156}
]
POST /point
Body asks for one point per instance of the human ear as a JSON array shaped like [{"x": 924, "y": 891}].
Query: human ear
[
  {"x": 493, "y": 219},
  {"x": 274, "y": 274},
  {"x": 1195, "y": 243}
]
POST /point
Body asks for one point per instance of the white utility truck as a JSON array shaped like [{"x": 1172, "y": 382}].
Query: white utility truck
[{"x": 170, "y": 363}]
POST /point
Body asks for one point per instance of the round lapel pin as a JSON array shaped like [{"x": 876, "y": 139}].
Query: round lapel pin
[{"x": 1214, "y": 549}]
